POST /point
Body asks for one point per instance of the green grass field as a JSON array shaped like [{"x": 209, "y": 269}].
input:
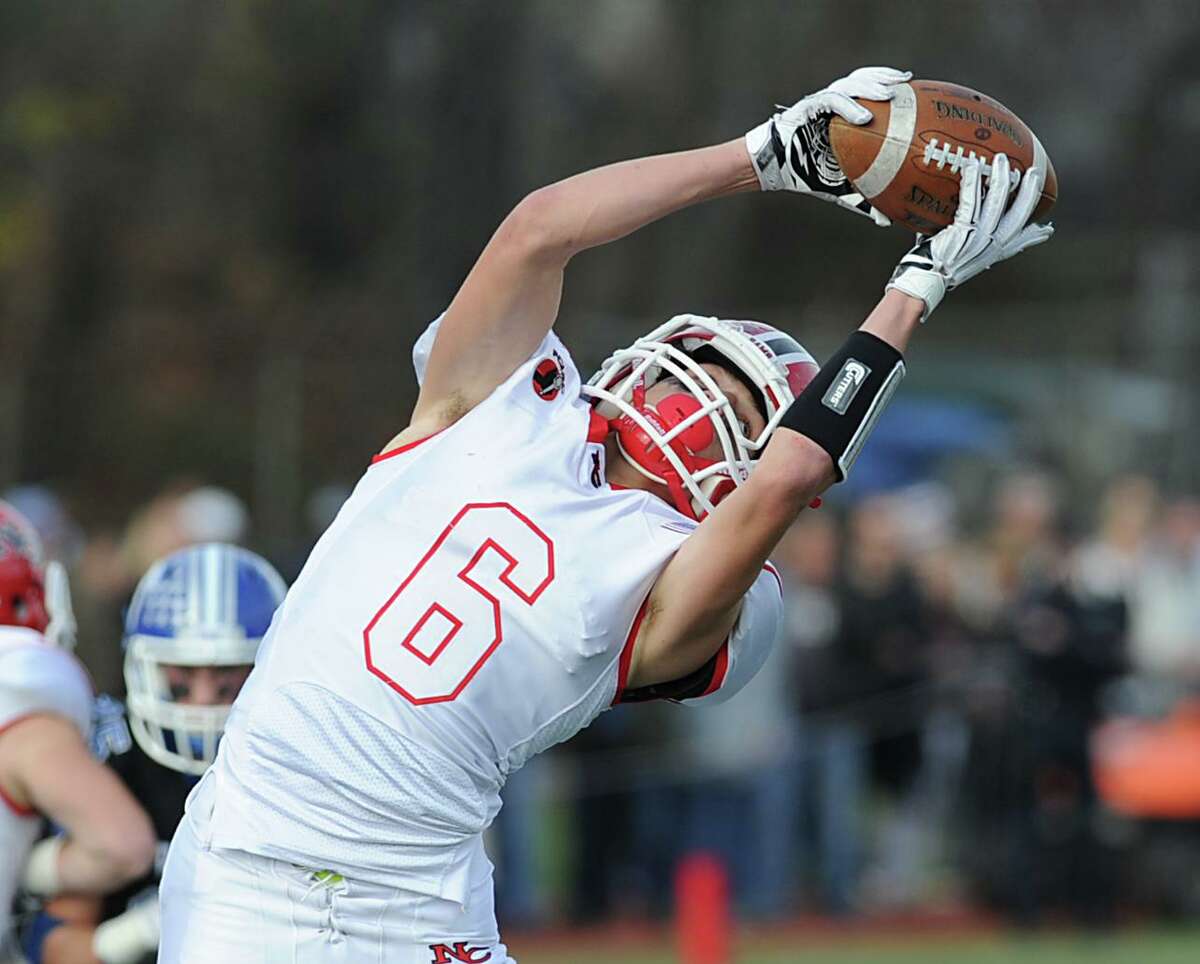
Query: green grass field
[{"x": 1128, "y": 947}]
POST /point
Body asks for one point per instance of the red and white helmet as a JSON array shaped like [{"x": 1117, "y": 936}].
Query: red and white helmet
[
  {"x": 22, "y": 576},
  {"x": 662, "y": 441}
]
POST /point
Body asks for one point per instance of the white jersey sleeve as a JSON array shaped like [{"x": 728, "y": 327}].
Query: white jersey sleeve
[
  {"x": 37, "y": 677},
  {"x": 754, "y": 636},
  {"x": 423, "y": 347},
  {"x": 740, "y": 657}
]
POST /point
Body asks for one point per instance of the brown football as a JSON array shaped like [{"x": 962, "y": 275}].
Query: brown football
[{"x": 906, "y": 160}]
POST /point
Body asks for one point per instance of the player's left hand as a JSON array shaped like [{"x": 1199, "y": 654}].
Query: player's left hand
[
  {"x": 981, "y": 235},
  {"x": 791, "y": 151}
]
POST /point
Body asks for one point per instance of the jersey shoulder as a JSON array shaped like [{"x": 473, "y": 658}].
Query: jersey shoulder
[
  {"x": 547, "y": 376},
  {"x": 741, "y": 656},
  {"x": 38, "y": 677}
]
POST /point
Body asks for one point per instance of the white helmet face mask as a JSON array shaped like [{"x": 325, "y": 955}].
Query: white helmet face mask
[
  {"x": 205, "y": 606},
  {"x": 662, "y": 442}
]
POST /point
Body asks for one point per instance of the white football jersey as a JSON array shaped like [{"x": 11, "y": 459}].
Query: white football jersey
[
  {"x": 472, "y": 604},
  {"x": 35, "y": 677}
]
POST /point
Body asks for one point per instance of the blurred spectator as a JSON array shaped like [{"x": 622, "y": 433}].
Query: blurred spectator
[
  {"x": 622, "y": 841},
  {"x": 1035, "y": 815},
  {"x": 62, "y": 538},
  {"x": 111, "y": 565},
  {"x": 1165, "y": 599},
  {"x": 1069, "y": 647},
  {"x": 859, "y": 669},
  {"x": 742, "y": 801},
  {"x": 832, "y": 770},
  {"x": 1110, "y": 564},
  {"x": 1018, "y": 544}
]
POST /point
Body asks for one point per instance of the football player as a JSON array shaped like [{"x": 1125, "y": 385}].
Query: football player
[
  {"x": 46, "y": 767},
  {"x": 191, "y": 632},
  {"x": 531, "y": 549}
]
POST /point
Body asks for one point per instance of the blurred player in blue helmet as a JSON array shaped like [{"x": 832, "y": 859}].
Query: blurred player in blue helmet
[{"x": 191, "y": 633}]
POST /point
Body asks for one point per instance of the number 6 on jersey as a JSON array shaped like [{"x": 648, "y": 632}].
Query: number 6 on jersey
[{"x": 440, "y": 626}]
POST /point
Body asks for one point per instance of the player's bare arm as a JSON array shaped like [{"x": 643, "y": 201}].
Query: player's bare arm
[
  {"x": 511, "y": 297},
  {"x": 695, "y": 601},
  {"x": 47, "y": 767}
]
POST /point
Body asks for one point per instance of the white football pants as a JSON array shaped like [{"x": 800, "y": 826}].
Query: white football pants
[{"x": 224, "y": 906}]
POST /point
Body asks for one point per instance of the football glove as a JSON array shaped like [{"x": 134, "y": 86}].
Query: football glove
[
  {"x": 129, "y": 937},
  {"x": 981, "y": 235},
  {"x": 791, "y": 151},
  {"x": 41, "y": 877}
]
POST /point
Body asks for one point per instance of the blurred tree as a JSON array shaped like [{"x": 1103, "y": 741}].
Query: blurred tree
[{"x": 222, "y": 225}]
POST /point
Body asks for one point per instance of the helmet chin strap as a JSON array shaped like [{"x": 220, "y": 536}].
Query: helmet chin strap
[{"x": 680, "y": 497}]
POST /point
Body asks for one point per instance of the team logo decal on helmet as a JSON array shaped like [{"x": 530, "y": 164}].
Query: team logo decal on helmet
[
  {"x": 207, "y": 605},
  {"x": 548, "y": 378},
  {"x": 663, "y": 441}
]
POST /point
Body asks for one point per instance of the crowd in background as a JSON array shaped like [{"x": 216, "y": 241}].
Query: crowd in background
[{"x": 925, "y": 734}]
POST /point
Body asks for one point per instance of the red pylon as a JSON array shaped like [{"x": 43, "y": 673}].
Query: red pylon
[{"x": 702, "y": 924}]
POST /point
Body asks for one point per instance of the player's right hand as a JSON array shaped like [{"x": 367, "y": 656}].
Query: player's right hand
[
  {"x": 981, "y": 235},
  {"x": 791, "y": 151}
]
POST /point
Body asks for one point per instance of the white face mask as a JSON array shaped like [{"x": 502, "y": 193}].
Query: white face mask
[
  {"x": 181, "y": 736},
  {"x": 204, "y": 606},
  {"x": 655, "y": 443}
]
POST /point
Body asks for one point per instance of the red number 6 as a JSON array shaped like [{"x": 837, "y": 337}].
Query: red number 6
[{"x": 431, "y": 659}]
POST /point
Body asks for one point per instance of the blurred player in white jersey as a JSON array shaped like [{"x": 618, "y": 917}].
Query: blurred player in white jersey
[
  {"x": 46, "y": 767},
  {"x": 532, "y": 549},
  {"x": 191, "y": 631}
]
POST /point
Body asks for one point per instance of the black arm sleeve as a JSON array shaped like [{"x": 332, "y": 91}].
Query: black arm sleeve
[{"x": 839, "y": 408}]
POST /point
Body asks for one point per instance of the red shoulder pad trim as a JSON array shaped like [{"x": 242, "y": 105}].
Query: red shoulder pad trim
[
  {"x": 775, "y": 572},
  {"x": 627, "y": 651},
  {"x": 24, "y": 812},
  {"x": 719, "y": 671},
  {"x": 597, "y": 428},
  {"x": 401, "y": 449}
]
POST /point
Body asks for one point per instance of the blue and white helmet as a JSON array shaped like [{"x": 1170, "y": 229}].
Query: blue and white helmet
[{"x": 207, "y": 605}]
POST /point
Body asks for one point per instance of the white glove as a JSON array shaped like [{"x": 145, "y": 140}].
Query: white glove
[
  {"x": 41, "y": 877},
  {"x": 128, "y": 937},
  {"x": 62, "y": 629},
  {"x": 791, "y": 151},
  {"x": 982, "y": 234}
]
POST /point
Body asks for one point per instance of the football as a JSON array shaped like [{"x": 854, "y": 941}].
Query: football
[{"x": 906, "y": 160}]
